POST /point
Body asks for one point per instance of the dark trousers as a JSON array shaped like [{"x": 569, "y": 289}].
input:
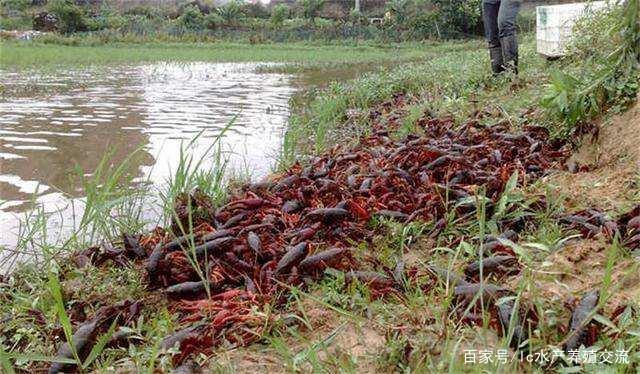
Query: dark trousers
[{"x": 499, "y": 18}]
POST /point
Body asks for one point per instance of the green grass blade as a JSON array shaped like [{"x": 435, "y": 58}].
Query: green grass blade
[
  {"x": 5, "y": 364},
  {"x": 100, "y": 344},
  {"x": 56, "y": 292}
]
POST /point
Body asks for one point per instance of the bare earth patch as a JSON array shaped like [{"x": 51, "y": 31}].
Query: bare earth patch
[
  {"x": 580, "y": 267},
  {"x": 613, "y": 159},
  {"x": 612, "y": 184},
  {"x": 336, "y": 338}
]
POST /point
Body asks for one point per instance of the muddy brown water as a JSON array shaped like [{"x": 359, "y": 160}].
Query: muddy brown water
[{"x": 56, "y": 126}]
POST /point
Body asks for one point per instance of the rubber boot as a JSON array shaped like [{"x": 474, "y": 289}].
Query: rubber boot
[
  {"x": 497, "y": 62},
  {"x": 510, "y": 53}
]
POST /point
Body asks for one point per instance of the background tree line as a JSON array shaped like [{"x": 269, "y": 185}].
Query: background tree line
[{"x": 288, "y": 20}]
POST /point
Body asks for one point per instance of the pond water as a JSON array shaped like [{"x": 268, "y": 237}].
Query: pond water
[{"x": 57, "y": 126}]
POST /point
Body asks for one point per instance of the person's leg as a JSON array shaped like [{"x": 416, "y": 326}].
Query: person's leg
[
  {"x": 490, "y": 9},
  {"x": 507, "y": 16}
]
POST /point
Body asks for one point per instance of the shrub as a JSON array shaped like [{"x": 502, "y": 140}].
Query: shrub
[
  {"x": 460, "y": 16},
  {"x": 527, "y": 21},
  {"x": 424, "y": 25},
  {"x": 108, "y": 18},
  {"x": 143, "y": 10},
  {"x": 357, "y": 17},
  {"x": 232, "y": 12},
  {"x": 322, "y": 22},
  {"x": 71, "y": 18},
  {"x": 295, "y": 23},
  {"x": 399, "y": 11},
  {"x": 191, "y": 18},
  {"x": 140, "y": 25},
  {"x": 213, "y": 21},
  {"x": 334, "y": 11},
  {"x": 15, "y": 23},
  {"x": 255, "y": 10},
  {"x": 279, "y": 13}
]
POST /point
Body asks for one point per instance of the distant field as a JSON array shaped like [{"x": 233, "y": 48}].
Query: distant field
[{"x": 19, "y": 54}]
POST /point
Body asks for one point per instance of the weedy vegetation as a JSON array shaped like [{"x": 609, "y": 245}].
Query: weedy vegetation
[{"x": 609, "y": 77}]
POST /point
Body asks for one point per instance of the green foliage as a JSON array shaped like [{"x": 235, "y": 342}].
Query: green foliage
[
  {"x": 595, "y": 33},
  {"x": 425, "y": 25},
  {"x": 14, "y": 15},
  {"x": 232, "y": 12},
  {"x": 213, "y": 21},
  {"x": 71, "y": 17},
  {"x": 144, "y": 11},
  {"x": 418, "y": 19},
  {"x": 460, "y": 15},
  {"x": 607, "y": 45},
  {"x": 5, "y": 364},
  {"x": 91, "y": 50},
  {"x": 255, "y": 10},
  {"x": 400, "y": 10},
  {"x": 191, "y": 18},
  {"x": 357, "y": 17},
  {"x": 15, "y": 23},
  {"x": 239, "y": 20},
  {"x": 526, "y": 21},
  {"x": 14, "y": 6},
  {"x": 108, "y": 18},
  {"x": 323, "y": 23},
  {"x": 279, "y": 13},
  {"x": 321, "y": 121},
  {"x": 310, "y": 8}
]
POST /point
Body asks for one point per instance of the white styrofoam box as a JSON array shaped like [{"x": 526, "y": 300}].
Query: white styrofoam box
[{"x": 554, "y": 25}]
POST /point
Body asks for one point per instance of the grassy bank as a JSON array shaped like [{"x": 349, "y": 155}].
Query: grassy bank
[
  {"x": 451, "y": 81},
  {"x": 563, "y": 95}
]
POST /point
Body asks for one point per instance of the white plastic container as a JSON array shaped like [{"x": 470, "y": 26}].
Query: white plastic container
[{"x": 554, "y": 25}]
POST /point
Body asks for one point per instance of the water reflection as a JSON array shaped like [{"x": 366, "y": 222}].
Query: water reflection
[{"x": 51, "y": 137}]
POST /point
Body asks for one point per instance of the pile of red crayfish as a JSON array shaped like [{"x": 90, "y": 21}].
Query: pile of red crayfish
[
  {"x": 231, "y": 260},
  {"x": 290, "y": 228},
  {"x": 592, "y": 222},
  {"x": 281, "y": 232}
]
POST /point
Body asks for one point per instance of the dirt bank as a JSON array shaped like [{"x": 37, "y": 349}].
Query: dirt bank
[
  {"x": 610, "y": 161},
  {"x": 609, "y": 179}
]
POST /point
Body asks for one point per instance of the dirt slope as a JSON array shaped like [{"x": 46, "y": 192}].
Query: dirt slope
[{"x": 612, "y": 181}]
